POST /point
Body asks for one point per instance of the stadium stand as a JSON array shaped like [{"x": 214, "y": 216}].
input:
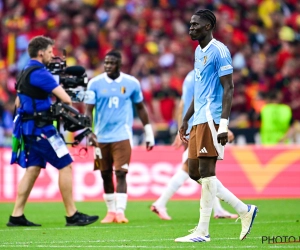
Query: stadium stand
[{"x": 262, "y": 35}]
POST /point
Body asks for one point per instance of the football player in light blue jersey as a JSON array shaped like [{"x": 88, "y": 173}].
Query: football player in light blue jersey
[
  {"x": 211, "y": 108},
  {"x": 159, "y": 206},
  {"x": 115, "y": 92}
]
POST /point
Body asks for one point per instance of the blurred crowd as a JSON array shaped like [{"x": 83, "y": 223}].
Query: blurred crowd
[{"x": 152, "y": 35}]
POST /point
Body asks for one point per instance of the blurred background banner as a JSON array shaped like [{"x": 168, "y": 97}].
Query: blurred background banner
[
  {"x": 249, "y": 172},
  {"x": 263, "y": 37}
]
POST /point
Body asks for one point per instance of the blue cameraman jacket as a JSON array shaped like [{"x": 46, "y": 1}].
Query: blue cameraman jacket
[{"x": 42, "y": 79}]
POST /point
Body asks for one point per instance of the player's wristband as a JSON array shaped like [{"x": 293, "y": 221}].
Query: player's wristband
[
  {"x": 149, "y": 134},
  {"x": 223, "y": 126}
]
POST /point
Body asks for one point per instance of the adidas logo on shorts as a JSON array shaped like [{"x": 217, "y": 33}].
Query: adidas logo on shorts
[{"x": 203, "y": 150}]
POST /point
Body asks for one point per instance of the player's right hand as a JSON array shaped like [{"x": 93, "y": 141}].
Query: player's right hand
[
  {"x": 182, "y": 132},
  {"x": 92, "y": 140},
  {"x": 230, "y": 136},
  {"x": 177, "y": 143},
  {"x": 149, "y": 137}
]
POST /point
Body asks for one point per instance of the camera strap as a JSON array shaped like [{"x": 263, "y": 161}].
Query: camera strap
[{"x": 23, "y": 85}]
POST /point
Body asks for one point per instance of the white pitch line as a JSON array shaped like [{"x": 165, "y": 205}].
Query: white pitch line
[
  {"x": 64, "y": 228},
  {"x": 118, "y": 227},
  {"x": 181, "y": 246},
  {"x": 107, "y": 241}
]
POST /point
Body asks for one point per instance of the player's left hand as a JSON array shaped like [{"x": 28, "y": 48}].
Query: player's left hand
[
  {"x": 92, "y": 140},
  {"x": 223, "y": 138},
  {"x": 223, "y": 132}
]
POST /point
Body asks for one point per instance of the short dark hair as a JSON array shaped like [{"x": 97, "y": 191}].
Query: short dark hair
[
  {"x": 38, "y": 43},
  {"x": 114, "y": 53},
  {"x": 207, "y": 15}
]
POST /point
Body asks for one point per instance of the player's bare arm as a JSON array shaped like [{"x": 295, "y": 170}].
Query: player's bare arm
[
  {"x": 143, "y": 115},
  {"x": 17, "y": 102},
  {"x": 177, "y": 141},
  {"x": 228, "y": 87},
  {"x": 184, "y": 126},
  {"x": 89, "y": 112},
  {"x": 60, "y": 93}
]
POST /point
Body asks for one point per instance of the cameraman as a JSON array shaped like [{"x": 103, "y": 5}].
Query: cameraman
[{"x": 42, "y": 141}]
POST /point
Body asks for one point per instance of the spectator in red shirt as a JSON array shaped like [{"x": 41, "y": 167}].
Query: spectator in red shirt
[{"x": 165, "y": 100}]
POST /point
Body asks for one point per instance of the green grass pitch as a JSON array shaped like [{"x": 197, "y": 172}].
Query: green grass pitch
[{"x": 145, "y": 230}]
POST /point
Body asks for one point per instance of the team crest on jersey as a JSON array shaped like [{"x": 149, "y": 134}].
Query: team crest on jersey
[
  {"x": 204, "y": 60},
  {"x": 123, "y": 90},
  {"x": 103, "y": 91}
]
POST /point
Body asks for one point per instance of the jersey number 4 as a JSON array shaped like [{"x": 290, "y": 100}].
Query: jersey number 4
[{"x": 113, "y": 102}]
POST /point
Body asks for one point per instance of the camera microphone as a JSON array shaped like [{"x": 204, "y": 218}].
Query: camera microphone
[{"x": 75, "y": 70}]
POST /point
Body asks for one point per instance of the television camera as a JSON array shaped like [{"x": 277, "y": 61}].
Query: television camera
[{"x": 74, "y": 81}]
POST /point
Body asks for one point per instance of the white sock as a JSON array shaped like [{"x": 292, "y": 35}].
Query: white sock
[
  {"x": 121, "y": 202},
  {"x": 110, "y": 202},
  {"x": 224, "y": 194},
  {"x": 208, "y": 195},
  {"x": 174, "y": 184},
  {"x": 217, "y": 206}
]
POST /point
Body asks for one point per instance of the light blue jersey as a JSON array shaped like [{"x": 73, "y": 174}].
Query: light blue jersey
[
  {"x": 211, "y": 63},
  {"x": 187, "y": 95},
  {"x": 113, "y": 105}
]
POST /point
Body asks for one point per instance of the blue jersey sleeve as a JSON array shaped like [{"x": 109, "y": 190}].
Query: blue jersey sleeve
[
  {"x": 188, "y": 85},
  {"x": 188, "y": 91},
  {"x": 223, "y": 62},
  {"x": 43, "y": 79},
  {"x": 137, "y": 95}
]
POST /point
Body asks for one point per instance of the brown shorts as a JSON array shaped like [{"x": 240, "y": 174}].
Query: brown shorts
[
  {"x": 201, "y": 142},
  {"x": 115, "y": 154}
]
